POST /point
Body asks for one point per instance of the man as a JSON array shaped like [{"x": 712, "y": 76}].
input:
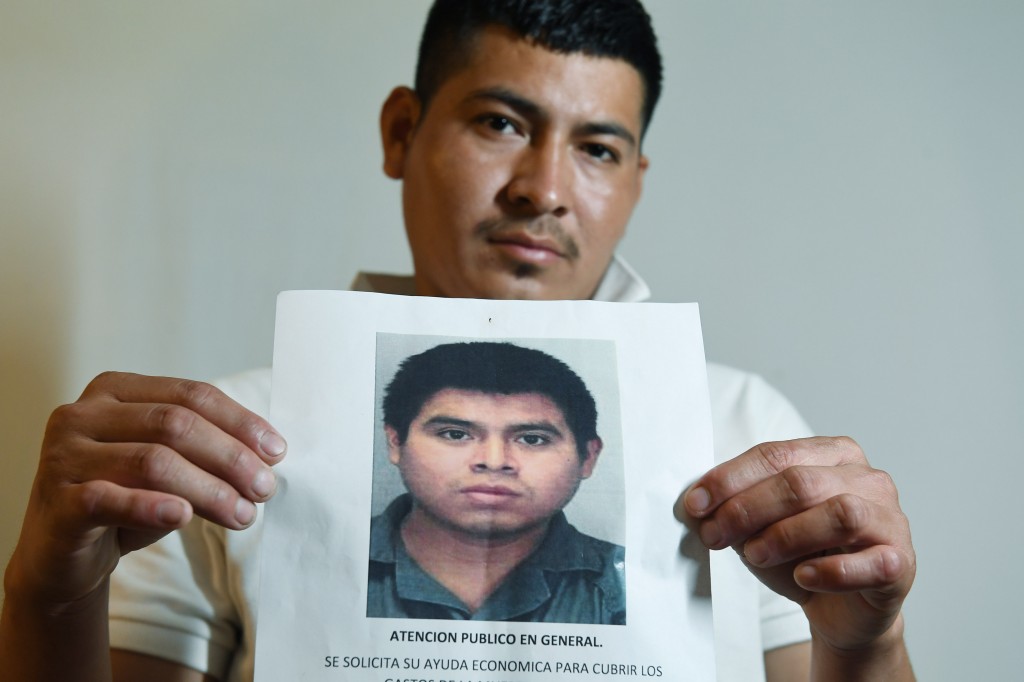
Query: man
[
  {"x": 492, "y": 441},
  {"x": 519, "y": 153}
]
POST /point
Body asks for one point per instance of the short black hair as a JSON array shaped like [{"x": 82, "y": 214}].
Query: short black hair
[
  {"x": 617, "y": 29},
  {"x": 494, "y": 368}
]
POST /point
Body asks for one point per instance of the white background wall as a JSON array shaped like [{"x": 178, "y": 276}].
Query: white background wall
[{"x": 838, "y": 185}]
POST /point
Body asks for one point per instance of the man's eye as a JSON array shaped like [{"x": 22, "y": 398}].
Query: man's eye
[
  {"x": 499, "y": 124},
  {"x": 453, "y": 434},
  {"x": 533, "y": 439},
  {"x": 600, "y": 152}
]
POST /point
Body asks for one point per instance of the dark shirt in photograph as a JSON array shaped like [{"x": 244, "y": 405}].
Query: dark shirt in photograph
[{"x": 570, "y": 578}]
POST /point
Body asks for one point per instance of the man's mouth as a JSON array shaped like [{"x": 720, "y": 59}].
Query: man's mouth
[
  {"x": 538, "y": 242},
  {"x": 525, "y": 248},
  {"x": 490, "y": 494}
]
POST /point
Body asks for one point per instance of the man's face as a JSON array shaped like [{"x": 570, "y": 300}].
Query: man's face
[
  {"x": 490, "y": 465},
  {"x": 520, "y": 177}
]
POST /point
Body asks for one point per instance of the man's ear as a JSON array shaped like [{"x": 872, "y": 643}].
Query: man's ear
[
  {"x": 398, "y": 119},
  {"x": 593, "y": 451},
  {"x": 394, "y": 444},
  {"x": 643, "y": 163}
]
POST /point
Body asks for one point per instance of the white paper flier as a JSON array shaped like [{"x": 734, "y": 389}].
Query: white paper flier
[{"x": 468, "y": 476}]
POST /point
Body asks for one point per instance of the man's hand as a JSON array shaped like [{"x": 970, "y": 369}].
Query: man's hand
[
  {"x": 127, "y": 463},
  {"x": 816, "y": 523},
  {"x": 130, "y": 461}
]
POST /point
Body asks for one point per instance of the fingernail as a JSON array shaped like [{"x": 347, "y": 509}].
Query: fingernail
[
  {"x": 245, "y": 511},
  {"x": 264, "y": 484},
  {"x": 170, "y": 513},
  {"x": 698, "y": 500},
  {"x": 710, "y": 534},
  {"x": 756, "y": 551},
  {"x": 807, "y": 576},
  {"x": 272, "y": 444}
]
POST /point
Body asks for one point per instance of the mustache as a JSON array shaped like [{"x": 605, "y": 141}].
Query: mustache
[{"x": 543, "y": 227}]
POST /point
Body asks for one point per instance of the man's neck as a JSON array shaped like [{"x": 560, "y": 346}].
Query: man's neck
[{"x": 471, "y": 567}]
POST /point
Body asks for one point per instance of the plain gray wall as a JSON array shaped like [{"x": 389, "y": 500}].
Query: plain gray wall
[{"x": 838, "y": 184}]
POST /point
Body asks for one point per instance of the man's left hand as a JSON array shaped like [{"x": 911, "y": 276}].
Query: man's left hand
[{"x": 816, "y": 523}]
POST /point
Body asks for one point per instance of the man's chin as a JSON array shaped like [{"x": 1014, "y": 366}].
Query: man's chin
[
  {"x": 525, "y": 284},
  {"x": 494, "y": 529},
  {"x": 509, "y": 281}
]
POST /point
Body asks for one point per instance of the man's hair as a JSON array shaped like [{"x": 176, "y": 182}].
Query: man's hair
[
  {"x": 494, "y": 368},
  {"x": 616, "y": 29}
]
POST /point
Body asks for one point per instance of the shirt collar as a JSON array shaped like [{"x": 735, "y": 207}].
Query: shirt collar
[{"x": 620, "y": 283}]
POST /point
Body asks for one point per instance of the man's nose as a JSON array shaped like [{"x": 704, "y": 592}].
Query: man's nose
[
  {"x": 494, "y": 454},
  {"x": 542, "y": 177}
]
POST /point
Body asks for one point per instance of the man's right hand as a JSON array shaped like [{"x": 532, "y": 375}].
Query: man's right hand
[{"x": 127, "y": 463}]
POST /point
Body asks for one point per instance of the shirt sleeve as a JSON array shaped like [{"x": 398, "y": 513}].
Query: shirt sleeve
[{"x": 165, "y": 601}]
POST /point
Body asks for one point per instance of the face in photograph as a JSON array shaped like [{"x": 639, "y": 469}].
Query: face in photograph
[{"x": 490, "y": 465}]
